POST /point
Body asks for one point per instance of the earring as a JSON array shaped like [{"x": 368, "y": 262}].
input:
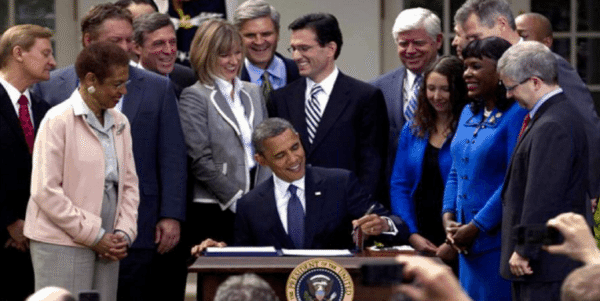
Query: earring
[{"x": 91, "y": 89}]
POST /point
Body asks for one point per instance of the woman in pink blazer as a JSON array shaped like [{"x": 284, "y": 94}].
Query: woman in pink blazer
[{"x": 82, "y": 213}]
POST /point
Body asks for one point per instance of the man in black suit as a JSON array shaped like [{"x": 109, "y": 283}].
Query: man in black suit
[
  {"x": 330, "y": 201},
  {"x": 480, "y": 19},
  {"x": 342, "y": 121},
  {"x": 155, "y": 44},
  {"x": 25, "y": 58},
  {"x": 548, "y": 173},
  {"x": 258, "y": 23}
]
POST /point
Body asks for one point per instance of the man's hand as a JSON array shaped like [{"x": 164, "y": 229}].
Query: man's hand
[
  {"x": 198, "y": 249},
  {"x": 519, "y": 265},
  {"x": 431, "y": 280},
  {"x": 579, "y": 243},
  {"x": 422, "y": 244},
  {"x": 167, "y": 235},
  {"x": 371, "y": 224},
  {"x": 19, "y": 241}
]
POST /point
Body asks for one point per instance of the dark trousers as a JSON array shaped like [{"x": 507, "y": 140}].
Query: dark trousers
[
  {"x": 17, "y": 282},
  {"x": 535, "y": 291},
  {"x": 134, "y": 271}
]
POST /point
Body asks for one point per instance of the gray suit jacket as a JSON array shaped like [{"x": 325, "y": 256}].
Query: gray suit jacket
[
  {"x": 214, "y": 142},
  {"x": 391, "y": 86}
]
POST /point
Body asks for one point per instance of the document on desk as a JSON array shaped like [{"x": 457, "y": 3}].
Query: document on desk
[
  {"x": 315, "y": 253},
  {"x": 241, "y": 251}
]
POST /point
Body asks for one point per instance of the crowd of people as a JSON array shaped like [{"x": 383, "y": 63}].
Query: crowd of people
[{"x": 115, "y": 170}]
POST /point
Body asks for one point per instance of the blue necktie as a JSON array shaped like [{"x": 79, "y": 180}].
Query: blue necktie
[
  {"x": 295, "y": 218},
  {"x": 409, "y": 110},
  {"x": 313, "y": 113}
]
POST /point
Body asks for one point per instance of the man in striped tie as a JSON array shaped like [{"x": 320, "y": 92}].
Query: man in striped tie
[
  {"x": 342, "y": 121},
  {"x": 25, "y": 59}
]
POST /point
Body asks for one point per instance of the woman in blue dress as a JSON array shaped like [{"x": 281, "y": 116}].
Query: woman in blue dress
[
  {"x": 423, "y": 158},
  {"x": 481, "y": 149}
]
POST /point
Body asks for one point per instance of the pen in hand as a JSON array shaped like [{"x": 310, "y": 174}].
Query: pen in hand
[{"x": 369, "y": 211}]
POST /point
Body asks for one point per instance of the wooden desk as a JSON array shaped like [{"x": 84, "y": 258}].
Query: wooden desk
[{"x": 212, "y": 271}]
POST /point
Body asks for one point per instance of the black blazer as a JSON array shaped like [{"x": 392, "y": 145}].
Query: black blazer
[
  {"x": 291, "y": 70},
  {"x": 15, "y": 161},
  {"x": 352, "y": 133},
  {"x": 182, "y": 77},
  {"x": 548, "y": 175},
  {"x": 333, "y": 199}
]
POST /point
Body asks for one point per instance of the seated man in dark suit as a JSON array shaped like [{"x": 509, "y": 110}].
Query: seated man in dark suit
[
  {"x": 273, "y": 214},
  {"x": 548, "y": 172},
  {"x": 155, "y": 44},
  {"x": 258, "y": 23},
  {"x": 342, "y": 121}
]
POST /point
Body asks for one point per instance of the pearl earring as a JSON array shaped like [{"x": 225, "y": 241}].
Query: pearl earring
[{"x": 91, "y": 89}]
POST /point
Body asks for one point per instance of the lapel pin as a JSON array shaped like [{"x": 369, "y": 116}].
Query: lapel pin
[{"x": 317, "y": 193}]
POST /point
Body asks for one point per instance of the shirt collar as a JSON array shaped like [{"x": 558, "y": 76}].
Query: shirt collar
[
  {"x": 80, "y": 108},
  {"x": 225, "y": 86},
  {"x": 13, "y": 93},
  {"x": 326, "y": 84},
  {"x": 542, "y": 100},
  {"x": 281, "y": 186},
  {"x": 275, "y": 69}
]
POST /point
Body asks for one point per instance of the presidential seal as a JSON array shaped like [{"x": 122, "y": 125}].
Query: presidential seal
[{"x": 319, "y": 279}]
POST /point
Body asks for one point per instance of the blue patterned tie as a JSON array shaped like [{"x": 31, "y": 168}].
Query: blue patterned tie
[
  {"x": 409, "y": 110},
  {"x": 295, "y": 218},
  {"x": 313, "y": 113}
]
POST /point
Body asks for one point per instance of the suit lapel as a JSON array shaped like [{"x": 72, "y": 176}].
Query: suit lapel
[
  {"x": 223, "y": 108},
  {"x": 38, "y": 112},
  {"x": 337, "y": 103},
  {"x": 271, "y": 216},
  {"x": 296, "y": 113},
  {"x": 134, "y": 96},
  {"x": 399, "y": 103},
  {"x": 248, "y": 106},
  {"x": 313, "y": 194},
  {"x": 8, "y": 111}
]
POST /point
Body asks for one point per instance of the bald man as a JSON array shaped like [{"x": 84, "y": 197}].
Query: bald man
[{"x": 535, "y": 27}]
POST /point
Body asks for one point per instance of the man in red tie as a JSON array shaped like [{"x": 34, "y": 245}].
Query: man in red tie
[
  {"x": 548, "y": 173},
  {"x": 25, "y": 59}
]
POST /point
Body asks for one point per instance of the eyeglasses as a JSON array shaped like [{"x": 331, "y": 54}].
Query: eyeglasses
[
  {"x": 121, "y": 85},
  {"x": 301, "y": 48},
  {"x": 509, "y": 89}
]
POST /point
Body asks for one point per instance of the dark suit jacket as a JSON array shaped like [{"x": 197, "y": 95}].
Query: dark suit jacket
[
  {"x": 547, "y": 176},
  {"x": 15, "y": 161},
  {"x": 352, "y": 133},
  {"x": 333, "y": 199},
  {"x": 158, "y": 145},
  {"x": 391, "y": 84},
  {"x": 291, "y": 70},
  {"x": 579, "y": 95},
  {"x": 182, "y": 77}
]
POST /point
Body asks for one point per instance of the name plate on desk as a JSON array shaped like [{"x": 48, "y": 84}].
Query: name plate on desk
[
  {"x": 315, "y": 253},
  {"x": 241, "y": 251}
]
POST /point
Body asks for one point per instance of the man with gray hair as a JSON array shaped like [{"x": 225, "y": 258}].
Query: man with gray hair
[
  {"x": 484, "y": 18},
  {"x": 417, "y": 33},
  {"x": 246, "y": 287},
  {"x": 547, "y": 174},
  {"x": 258, "y": 23},
  {"x": 155, "y": 44},
  {"x": 534, "y": 27}
]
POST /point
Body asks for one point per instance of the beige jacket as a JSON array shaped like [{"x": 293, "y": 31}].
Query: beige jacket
[{"x": 67, "y": 183}]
